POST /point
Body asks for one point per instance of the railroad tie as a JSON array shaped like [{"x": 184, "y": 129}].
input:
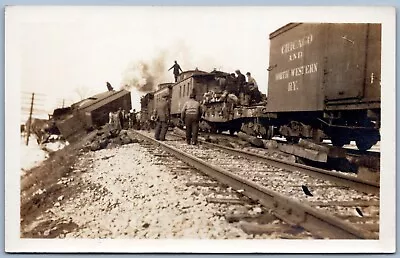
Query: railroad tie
[
  {"x": 259, "y": 218},
  {"x": 204, "y": 184},
  {"x": 224, "y": 200},
  {"x": 259, "y": 229}
]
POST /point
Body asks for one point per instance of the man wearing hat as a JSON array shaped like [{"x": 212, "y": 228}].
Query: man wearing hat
[
  {"x": 162, "y": 118},
  {"x": 176, "y": 70},
  {"x": 191, "y": 113}
]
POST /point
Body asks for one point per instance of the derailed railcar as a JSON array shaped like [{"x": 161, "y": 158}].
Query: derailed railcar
[
  {"x": 95, "y": 111},
  {"x": 325, "y": 79},
  {"x": 92, "y": 112}
]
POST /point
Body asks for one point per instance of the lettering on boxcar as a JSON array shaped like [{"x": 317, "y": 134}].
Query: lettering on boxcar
[
  {"x": 282, "y": 75},
  {"x": 293, "y": 86},
  {"x": 296, "y": 44},
  {"x": 295, "y": 56},
  {"x": 304, "y": 69}
]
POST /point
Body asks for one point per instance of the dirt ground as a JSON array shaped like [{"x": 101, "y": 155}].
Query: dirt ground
[{"x": 40, "y": 190}]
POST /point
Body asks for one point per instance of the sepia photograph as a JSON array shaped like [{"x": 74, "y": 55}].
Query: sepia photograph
[{"x": 200, "y": 129}]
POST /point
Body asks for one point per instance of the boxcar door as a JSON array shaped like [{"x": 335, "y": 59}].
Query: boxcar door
[{"x": 345, "y": 61}]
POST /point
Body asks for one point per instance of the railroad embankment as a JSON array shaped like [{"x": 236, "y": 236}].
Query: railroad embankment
[{"x": 119, "y": 192}]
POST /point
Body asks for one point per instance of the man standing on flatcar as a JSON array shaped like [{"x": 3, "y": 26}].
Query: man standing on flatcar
[
  {"x": 241, "y": 80},
  {"x": 162, "y": 118},
  {"x": 191, "y": 113},
  {"x": 176, "y": 70},
  {"x": 254, "y": 93},
  {"x": 232, "y": 84}
]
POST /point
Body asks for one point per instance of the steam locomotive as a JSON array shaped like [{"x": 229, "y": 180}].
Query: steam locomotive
[{"x": 324, "y": 83}]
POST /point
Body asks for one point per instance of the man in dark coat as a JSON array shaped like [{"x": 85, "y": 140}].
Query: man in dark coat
[
  {"x": 109, "y": 87},
  {"x": 232, "y": 84},
  {"x": 191, "y": 113},
  {"x": 120, "y": 114},
  {"x": 177, "y": 68},
  {"x": 241, "y": 81},
  {"x": 162, "y": 118}
]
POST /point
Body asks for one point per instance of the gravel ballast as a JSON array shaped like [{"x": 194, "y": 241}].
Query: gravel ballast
[{"x": 124, "y": 193}]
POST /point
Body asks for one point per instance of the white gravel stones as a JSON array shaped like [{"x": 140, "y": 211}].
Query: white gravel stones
[
  {"x": 39, "y": 192},
  {"x": 130, "y": 197}
]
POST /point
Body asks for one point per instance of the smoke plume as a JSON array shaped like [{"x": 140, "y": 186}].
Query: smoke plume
[{"x": 145, "y": 76}]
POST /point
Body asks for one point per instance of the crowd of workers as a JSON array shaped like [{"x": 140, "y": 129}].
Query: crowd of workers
[
  {"x": 246, "y": 91},
  {"x": 235, "y": 91},
  {"x": 122, "y": 119}
]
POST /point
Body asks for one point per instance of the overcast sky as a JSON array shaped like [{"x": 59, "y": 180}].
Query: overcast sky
[{"x": 65, "y": 52}]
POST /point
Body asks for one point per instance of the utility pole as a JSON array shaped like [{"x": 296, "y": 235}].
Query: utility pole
[
  {"x": 30, "y": 120},
  {"x": 63, "y": 103}
]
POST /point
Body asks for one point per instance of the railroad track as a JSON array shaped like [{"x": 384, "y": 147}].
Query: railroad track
[
  {"x": 226, "y": 202},
  {"x": 349, "y": 151},
  {"x": 355, "y": 159},
  {"x": 343, "y": 179},
  {"x": 333, "y": 211}
]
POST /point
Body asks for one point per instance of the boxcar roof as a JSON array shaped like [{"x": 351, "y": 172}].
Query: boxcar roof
[
  {"x": 101, "y": 99},
  {"x": 283, "y": 29}
]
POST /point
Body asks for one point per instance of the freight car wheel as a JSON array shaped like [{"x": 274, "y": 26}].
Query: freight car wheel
[{"x": 232, "y": 131}]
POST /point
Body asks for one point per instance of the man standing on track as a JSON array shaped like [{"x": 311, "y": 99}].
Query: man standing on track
[
  {"x": 191, "y": 113},
  {"x": 176, "y": 70},
  {"x": 162, "y": 118}
]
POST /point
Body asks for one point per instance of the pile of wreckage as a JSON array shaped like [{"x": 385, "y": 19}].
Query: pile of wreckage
[{"x": 107, "y": 137}]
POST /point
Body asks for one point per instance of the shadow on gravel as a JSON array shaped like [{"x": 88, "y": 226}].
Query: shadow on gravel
[{"x": 53, "y": 228}]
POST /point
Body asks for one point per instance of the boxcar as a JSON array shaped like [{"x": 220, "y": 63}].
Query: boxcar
[
  {"x": 327, "y": 76},
  {"x": 92, "y": 112}
]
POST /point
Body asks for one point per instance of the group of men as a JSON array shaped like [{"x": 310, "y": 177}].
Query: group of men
[
  {"x": 122, "y": 119},
  {"x": 247, "y": 92},
  {"x": 191, "y": 114},
  {"x": 236, "y": 84}
]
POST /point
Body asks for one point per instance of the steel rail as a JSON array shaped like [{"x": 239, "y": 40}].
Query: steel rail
[
  {"x": 338, "y": 178},
  {"x": 289, "y": 210},
  {"x": 353, "y": 182}
]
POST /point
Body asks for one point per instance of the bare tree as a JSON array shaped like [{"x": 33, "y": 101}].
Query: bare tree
[{"x": 83, "y": 92}]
